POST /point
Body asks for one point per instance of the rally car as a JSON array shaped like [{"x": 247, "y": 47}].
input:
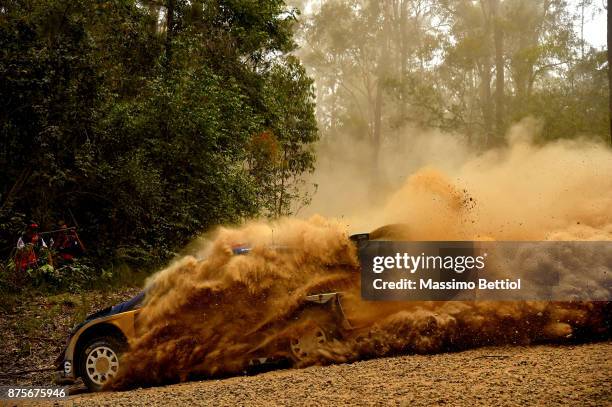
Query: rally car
[{"x": 94, "y": 346}]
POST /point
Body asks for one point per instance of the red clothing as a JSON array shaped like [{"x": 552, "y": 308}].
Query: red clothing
[{"x": 28, "y": 247}]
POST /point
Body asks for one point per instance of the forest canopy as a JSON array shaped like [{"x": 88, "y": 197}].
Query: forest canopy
[{"x": 148, "y": 122}]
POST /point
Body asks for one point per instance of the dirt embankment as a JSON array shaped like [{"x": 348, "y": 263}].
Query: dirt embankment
[{"x": 543, "y": 375}]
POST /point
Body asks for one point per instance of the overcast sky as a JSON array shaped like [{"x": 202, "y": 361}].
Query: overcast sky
[{"x": 595, "y": 27}]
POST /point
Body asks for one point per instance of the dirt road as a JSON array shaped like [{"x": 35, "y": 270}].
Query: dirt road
[{"x": 542, "y": 375}]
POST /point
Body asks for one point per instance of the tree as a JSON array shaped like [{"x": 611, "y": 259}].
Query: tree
[
  {"x": 142, "y": 129},
  {"x": 609, "y": 37},
  {"x": 498, "y": 39},
  {"x": 362, "y": 59},
  {"x": 467, "y": 67}
]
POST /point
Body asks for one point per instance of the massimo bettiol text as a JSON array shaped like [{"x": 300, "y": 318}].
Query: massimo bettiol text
[{"x": 504, "y": 271}]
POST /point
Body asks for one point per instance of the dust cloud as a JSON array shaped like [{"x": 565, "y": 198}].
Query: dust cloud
[
  {"x": 443, "y": 190},
  {"x": 213, "y": 313}
]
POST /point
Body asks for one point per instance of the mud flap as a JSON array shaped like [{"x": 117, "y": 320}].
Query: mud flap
[{"x": 334, "y": 300}]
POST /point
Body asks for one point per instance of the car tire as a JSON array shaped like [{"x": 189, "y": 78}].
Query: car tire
[{"x": 99, "y": 361}]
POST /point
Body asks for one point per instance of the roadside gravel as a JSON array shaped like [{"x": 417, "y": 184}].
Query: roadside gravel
[{"x": 544, "y": 375}]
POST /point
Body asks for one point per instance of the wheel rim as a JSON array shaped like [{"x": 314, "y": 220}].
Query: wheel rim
[
  {"x": 102, "y": 363},
  {"x": 308, "y": 343}
]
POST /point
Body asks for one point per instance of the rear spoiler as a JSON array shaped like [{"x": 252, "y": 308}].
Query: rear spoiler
[{"x": 360, "y": 237}]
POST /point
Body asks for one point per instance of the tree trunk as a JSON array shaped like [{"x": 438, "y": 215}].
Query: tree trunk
[
  {"x": 610, "y": 74},
  {"x": 499, "y": 71},
  {"x": 485, "y": 79},
  {"x": 377, "y": 139},
  {"x": 381, "y": 75},
  {"x": 403, "y": 59},
  {"x": 170, "y": 6},
  {"x": 487, "y": 111},
  {"x": 582, "y": 29}
]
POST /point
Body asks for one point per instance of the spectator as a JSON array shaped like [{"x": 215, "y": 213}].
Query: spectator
[
  {"x": 67, "y": 243},
  {"x": 29, "y": 248}
]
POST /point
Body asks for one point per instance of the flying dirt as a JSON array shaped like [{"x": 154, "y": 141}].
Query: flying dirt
[{"x": 210, "y": 313}]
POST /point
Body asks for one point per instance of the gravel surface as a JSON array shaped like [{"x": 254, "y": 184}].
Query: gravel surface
[{"x": 541, "y": 375}]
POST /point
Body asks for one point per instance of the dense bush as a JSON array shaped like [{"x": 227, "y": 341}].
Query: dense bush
[{"x": 138, "y": 119}]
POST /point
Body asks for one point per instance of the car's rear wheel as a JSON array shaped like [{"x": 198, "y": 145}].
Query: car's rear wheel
[
  {"x": 308, "y": 343},
  {"x": 99, "y": 361}
]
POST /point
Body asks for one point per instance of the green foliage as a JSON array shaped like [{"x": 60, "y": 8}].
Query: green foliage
[
  {"x": 42, "y": 274},
  {"x": 291, "y": 127},
  {"x": 81, "y": 310},
  {"x": 141, "y": 125},
  {"x": 70, "y": 278}
]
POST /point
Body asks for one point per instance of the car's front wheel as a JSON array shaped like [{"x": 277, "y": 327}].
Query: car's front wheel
[{"x": 99, "y": 361}]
